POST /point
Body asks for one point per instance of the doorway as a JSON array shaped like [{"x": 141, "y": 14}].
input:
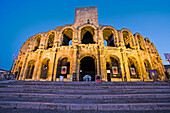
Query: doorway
[{"x": 87, "y": 67}]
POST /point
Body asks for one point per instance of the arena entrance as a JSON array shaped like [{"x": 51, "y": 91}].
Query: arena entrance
[{"x": 87, "y": 67}]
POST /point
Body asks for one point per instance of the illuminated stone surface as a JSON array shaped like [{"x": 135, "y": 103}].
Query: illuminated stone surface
[{"x": 87, "y": 48}]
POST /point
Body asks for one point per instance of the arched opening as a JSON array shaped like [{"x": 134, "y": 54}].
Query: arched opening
[
  {"x": 50, "y": 40},
  {"x": 108, "y": 36},
  {"x": 67, "y": 36},
  {"x": 87, "y": 34},
  {"x": 141, "y": 42},
  {"x": 126, "y": 38},
  {"x": 19, "y": 71},
  {"x": 37, "y": 42},
  {"x": 88, "y": 21},
  {"x": 45, "y": 69},
  {"x": 87, "y": 67},
  {"x": 63, "y": 67},
  {"x": 133, "y": 68},
  {"x": 113, "y": 68},
  {"x": 147, "y": 68},
  {"x": 30, "y": 69}
]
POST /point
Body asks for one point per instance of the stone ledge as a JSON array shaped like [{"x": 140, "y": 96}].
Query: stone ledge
[{"x": 65, "y": 106}]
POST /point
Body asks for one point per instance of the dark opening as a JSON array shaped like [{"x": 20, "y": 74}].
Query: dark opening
[
  {"x": 88, "y": 38},
  {"x": 18, "y": 73},
  {"x": 88, "y": 21},
  {"x": 61, "y": 63},
  {"x": 108, "y": 74},
  {"x": 66, "y": 40},
  {"x": 44, "y": 74},
  {"x": 30, "y": 71},
  {"x": 110, "y": 41},
  {"x": 87, "y": 67},
  {"x": 45, "y": 68},
  {"x": 131, "y": 72}
]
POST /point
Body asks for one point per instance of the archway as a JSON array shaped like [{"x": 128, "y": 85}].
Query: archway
[
  {"x": 45, "y": 68},
  {"x": 87, "y": 34},
  {"x": 108, "y": 36},
  {"x": 50, "y": 40},
  {"x": 147, "y": 68},
  {"x": 37, "y": 42},
  {"x": 113, "y": 68},
  {"x": 63, "y": 67},
  {"x": 126, "y": 38},
  {"x": 87, "y": 67},
  {"x": 133, "y": 68},
  {"x": 141, "y": 42},
  {"x": 30, "y": 69},
  {"x": 67, "y": 36}
]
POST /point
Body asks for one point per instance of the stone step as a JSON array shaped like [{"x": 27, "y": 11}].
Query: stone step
[
  {"x": 86, "y": 91},
  {"x": 75, "y": 96},
  {"x": 87, "y": 101},
  {"x": 68, "y": 106},
  {"x": 25, "y": 110},
  {"x": 84, "y": 87},
  {"x": 134, "y": 83}
]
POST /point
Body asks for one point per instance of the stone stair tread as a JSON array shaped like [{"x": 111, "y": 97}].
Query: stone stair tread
[
  {"x": 68, "y": 106},
  {"x": 106, "y": 96},
  {"x": 87, "y": 101},
  {"x": 84, "y": 87}
]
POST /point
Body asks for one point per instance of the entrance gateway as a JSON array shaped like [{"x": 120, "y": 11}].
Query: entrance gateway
[{"x": 87, "y": 67}]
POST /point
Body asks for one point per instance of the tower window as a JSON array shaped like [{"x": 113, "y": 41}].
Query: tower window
[{"x": 88, "y": 21}]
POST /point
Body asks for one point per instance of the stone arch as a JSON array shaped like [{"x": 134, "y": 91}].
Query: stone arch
[
  {"x": 45, "y": 68},
  {"x": 148, "y": 43},
  {"x": 87, "y": 35},
  {"x": 67, "y": 36},
  {"x": 86, "y": 25},
  {"x": 88, "y": 66},
  {"x": 30, "y": 69},
  {"x": 37, "y": 42},
  {"x": 63, "y": 67},
  {"x": 51, "y": 36},
  {"x": 140, "y": 41},
  {"x": 113, "y": 64},
  {"x": 109, "y": 35},
  {"x": 88, "y": 55},
  {"x": 25, "y": 47},
  {"x": 147, "y": 65},
  {"x": 128, "y": 38},
  {"x": 133, "y": 67}
]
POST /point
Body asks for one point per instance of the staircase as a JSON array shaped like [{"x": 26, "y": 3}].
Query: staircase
[{"x": 64, "y": 97}]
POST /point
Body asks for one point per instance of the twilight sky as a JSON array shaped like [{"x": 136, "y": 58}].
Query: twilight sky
[{"x": 21, "y": 19}]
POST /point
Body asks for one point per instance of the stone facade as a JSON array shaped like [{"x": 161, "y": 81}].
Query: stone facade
[{"x": 86, "y": 47}]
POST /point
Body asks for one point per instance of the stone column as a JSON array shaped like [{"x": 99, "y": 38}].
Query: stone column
[
  {"x": 125, "y": 65},
  {"x": 116, "y": 40},
  {"x": 141, "y": 67},
  {"x": 103, "y": 68},
  {"x": 95, "y": 35},
  {"x": 23, "y": 67},
  {"x": 121, "y": 41},
  {"x": 78, "y": 68},
  {"x": 79, "y": 36},
  {"x": 55, "y": 40},
  {"x": 37, "y": 64}
]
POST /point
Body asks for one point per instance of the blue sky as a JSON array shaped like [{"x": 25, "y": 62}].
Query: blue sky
[{"x": 20, "y": 19}]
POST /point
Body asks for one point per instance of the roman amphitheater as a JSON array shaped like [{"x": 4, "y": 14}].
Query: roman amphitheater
[{"x": 87, "y": 48}]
